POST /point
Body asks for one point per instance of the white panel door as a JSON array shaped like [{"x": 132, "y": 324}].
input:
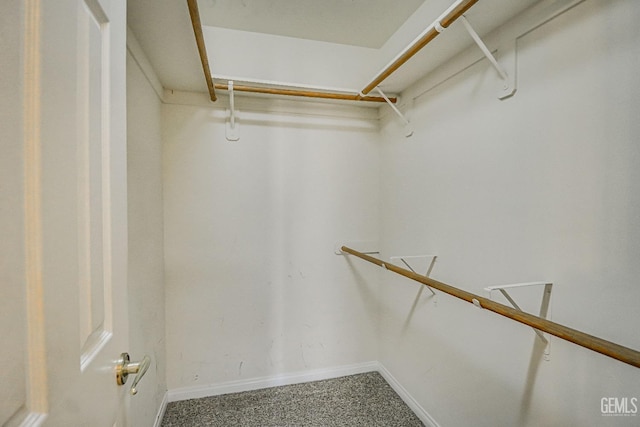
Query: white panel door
[{"x": 63, "y": 194}]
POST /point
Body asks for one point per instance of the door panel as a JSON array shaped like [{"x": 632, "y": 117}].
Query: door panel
[
  {"x": 65, "y": 213},
  {"x": 13, "y": 399},
  {"x": 93, "y": 177}
]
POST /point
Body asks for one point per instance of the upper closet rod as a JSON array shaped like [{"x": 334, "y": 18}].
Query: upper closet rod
[
  {"x": 197, "y": 30},
  {"x": 608, "y": 348},
  {"x": 303, "y": 93},
  {"x": 454, "y": 12}
]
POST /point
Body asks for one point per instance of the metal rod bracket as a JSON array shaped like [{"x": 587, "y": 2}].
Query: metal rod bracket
[
  {"x": 508, "y": 82},
  {"x": 231, "y": 127},
  {"x": 427, "y": 274},
  {"x": 544, "y": 304},
  {"x": 408, "y": 129},
  {"x": 369, "y": 247}
]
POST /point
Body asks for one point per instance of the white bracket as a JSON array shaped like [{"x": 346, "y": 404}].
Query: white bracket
[
  {"x": 408, "y": 129},
  {"x": 367, "y": 247},
  {"x": 508, "y": 84},
  {"x": 231, "y": 127},
  {"x": 544, "y": 304},
  {"x": 404, "y": 259},
  {"x": 417, "y": 298}
]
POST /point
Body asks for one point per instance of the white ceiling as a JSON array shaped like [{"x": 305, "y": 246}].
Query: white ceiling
[
  {"x": 329, "y": 43},
  {"x": 365, "y": 23}
]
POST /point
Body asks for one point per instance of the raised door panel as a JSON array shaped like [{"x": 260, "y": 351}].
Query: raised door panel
[{"x": 63, "y": 189}]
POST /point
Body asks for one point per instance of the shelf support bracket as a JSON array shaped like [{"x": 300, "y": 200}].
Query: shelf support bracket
[
  {"x": 408, "y": 130},
  {"x": 431, "y": 264},
  {"x": 544, "y": 304},
  {"x": 404, "y": 259},
  {"x": 231, "y": 130},
  {"x": 416, "y": 300},
  {"x": 508, "y": 80}
]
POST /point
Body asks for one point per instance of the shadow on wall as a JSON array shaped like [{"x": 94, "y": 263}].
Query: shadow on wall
[
  {"x": 449, "y": 364},
  {"x": 369, "y": 296}
]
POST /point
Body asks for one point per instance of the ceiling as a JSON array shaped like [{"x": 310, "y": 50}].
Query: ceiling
[
  {"x": 335, "y": 21},
  {"x": 329, "y": 43}
]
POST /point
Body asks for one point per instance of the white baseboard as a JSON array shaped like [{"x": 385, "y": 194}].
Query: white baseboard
[
  {"x": 161, "y": 410},
  {"x": 196, "y": 392},
  {"x": 420, "y": 412}
]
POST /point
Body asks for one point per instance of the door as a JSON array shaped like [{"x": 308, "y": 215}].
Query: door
[{"x": 63, "y": 247}]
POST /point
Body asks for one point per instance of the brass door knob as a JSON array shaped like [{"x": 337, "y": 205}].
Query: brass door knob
[{"x": 125, "y": 367}]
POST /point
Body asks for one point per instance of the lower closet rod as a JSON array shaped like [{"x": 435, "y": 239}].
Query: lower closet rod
[{"x": 608, "y": 348}]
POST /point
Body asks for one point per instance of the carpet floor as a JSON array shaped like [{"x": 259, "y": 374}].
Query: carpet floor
[{"x": 355, "y": 400}]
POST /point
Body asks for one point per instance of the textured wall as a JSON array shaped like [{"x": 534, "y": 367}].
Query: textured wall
[
  {"x": 252, "y": 284},
  {"x": 543, "y": 186}
]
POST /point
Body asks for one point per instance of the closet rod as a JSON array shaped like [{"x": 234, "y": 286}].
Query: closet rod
[
  {"x": 202, "y": 50},
  {"x": 616, "y": 351},
  {"x": 303, "y": 93},
  {"x": 436, "y": 28}
]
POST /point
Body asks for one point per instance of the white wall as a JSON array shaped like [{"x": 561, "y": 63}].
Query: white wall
[
  {"x": 543, "y": 186},
  {"x": 289, "y": 60},
  {"x": 253, "y": 288},
  {"x": 146, "y": 251}
]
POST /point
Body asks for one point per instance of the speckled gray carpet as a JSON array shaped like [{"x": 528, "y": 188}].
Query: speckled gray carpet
[{"x": 356, "y": 400}]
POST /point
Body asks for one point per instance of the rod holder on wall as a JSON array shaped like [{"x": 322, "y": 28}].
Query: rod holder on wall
[
  {"x": 404, "y": 260},
  {"x": 508, "y": 81},
  {"x": 407, "y": 260},
  {"x": 369, "y": 247},
  {"x": 408, "y": 129},
  {"x": 231, "y": 130},
  {"x": 544, "y": 304}
]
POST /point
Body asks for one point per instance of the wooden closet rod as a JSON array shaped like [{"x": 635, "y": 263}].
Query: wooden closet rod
[
  {"x": 202, "y": 50},
  {"x": 616, "y": 351},
  {"x": 426, "y": 38},
  {"x": 409, "y": 52},
  {"x": 303, "y": 93}
]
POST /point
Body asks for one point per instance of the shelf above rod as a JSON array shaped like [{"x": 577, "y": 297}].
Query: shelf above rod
[
  {"x": 599, "y": 345},
  {"x": 307, "y": 93}
]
